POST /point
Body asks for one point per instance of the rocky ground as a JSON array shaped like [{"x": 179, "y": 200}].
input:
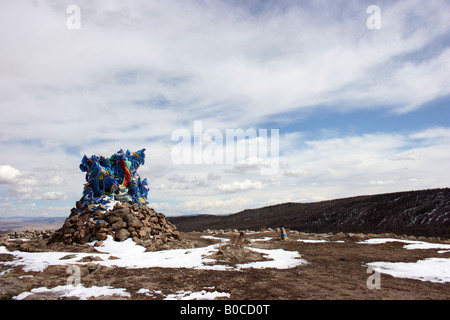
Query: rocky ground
[{"x": 334, "y": 268}]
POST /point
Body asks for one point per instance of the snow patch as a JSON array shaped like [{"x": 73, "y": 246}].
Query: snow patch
[
  {"x": 433, "y": 269},
  {"x": 201, "y": 295},
  {"x": 185, "y": 295},
  {"x": 39, "y": 261},
  {"x": 128, "y": 254},
  {"x": 311, "y": 241},
  {"x": 79, "y": 291},
  {"x": 411, "y": 244},
  {"x": 281, "y": 259},
  {"x": 215, "y": 238}
]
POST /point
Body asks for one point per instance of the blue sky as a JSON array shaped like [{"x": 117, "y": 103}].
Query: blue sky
[
  {"x": 359, "y": 111},
  {"x": 435, "y": 113}
]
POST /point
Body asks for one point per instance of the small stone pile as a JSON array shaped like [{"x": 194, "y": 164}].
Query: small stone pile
[
  {"x": 125, "y": 220},
  {"x": 29, "y": 234}
]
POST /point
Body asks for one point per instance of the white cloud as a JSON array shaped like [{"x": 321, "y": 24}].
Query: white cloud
[
  {"x": 381, "y": 182},
  {"x": 9, "y": 175},
  {"x": 296, "y": 173},
  {"x": 386, "y": 163},
  {"x": 160, "y": 205},
  {"x": 400, "y": 157},
  {"x": 178, "y": 178},
  {"x": 271, "y": 63},
  {"x": 216, "y": 205},
  {"x": 136, "y": 71},
  {"x": 249, "y": 164},
  {"x": 438, "y": 133},
  {"x": 56, "y": 180},
  {"x": 22, "y": 190},
  {"x": 240, "y": 186},
  {"x": 14, "y": 177},
  {"x": 214, "y": 176},
  {"x": 52, "y": 195}
]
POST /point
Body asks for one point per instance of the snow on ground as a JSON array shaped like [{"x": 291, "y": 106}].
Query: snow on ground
[
  {"x": 186, "y": 295},
  {"x": 311, "y": 241},
  {"x": 150, "y": 293},
  {"x": 39, "y": 261},
  {"x": 5, "y": 272},
  {"x": 280, "y": 259},
  {"x": 128, "y": 254},
  {"x": 411, "y": 243},
  {"x": 201, "y": 295},
  {"x": 318, "y": 241},
  {"x": 432, "y": 269},
  {"x": 215, "y": 238},
  {"x": 79, "y": 291}
]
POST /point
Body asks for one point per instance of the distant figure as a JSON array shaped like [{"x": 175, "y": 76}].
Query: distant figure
[
  {"x": 283, "y": 234},
  {"x": 240, "y": 241},
  {"x": 237, "y": 241}
]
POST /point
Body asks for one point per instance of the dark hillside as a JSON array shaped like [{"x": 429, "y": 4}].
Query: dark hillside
[{"x": 424, "y": 212}]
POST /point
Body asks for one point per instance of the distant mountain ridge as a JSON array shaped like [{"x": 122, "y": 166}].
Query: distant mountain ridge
[
  {"x": 21, "y": 223},
  {"x": 423, "y": 212}
]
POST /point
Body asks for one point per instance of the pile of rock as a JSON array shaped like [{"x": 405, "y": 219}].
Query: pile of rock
[
  {"x": 125, "y": 220},
  {"x": 29, "y": 234}
]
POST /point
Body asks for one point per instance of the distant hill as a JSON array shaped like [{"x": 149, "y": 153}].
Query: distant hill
[
  {"x": 20, "y": 223},
  {"x": 424, "y": 212}
]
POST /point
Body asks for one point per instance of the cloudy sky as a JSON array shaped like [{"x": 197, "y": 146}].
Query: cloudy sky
[{"x": 358, "y": 110}]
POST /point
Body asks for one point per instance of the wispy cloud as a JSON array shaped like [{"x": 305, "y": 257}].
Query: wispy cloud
[
  {"x": 136, "y": 71},
  {"x": 236, "y": 186}
]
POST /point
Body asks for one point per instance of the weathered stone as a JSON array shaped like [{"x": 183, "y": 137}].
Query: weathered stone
[
  {"x": 122, "y": 235},
  {"x": 86, "y": 237},
  {"x": 81, "y": 233},
  {"x": 68, "y": 223},
  {"x": 154, "y": 219},
  {"x": 113, "y": 219},
  {"x": 69, "y": 231},
  {"x": 132, "y": 220},
  {"x": 144, "y": 234},
  {"x": 103, "y": 230},
  {"x": 122, "y": 212},
  {"x": 137, "y": 240},
  {"x": 101, "y": 236},
  {"x": 102, "y": 224},
  {"x": 119, "y": 225},
  {"x": 99, "y": 243},
  {"x": 79, "y": 223},
  {"x": 69, "y": 256},
  {"x": 135, "y": 223}
]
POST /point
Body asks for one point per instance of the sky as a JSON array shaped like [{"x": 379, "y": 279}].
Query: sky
[{"x": 359, "y": 99}]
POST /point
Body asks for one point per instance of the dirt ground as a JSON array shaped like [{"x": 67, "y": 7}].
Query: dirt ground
[{"x": 334, "y": 270}]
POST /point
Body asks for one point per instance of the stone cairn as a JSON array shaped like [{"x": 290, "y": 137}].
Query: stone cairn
[
  {"x": 97, "y": 216},
  {"x": 141, "y": 223}
]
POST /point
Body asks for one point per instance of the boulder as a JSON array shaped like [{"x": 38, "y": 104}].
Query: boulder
[
  {"x": 119, "y": 225},
  {"x": 101, "y": 236},
  {"x": 122, "y": 234}
]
